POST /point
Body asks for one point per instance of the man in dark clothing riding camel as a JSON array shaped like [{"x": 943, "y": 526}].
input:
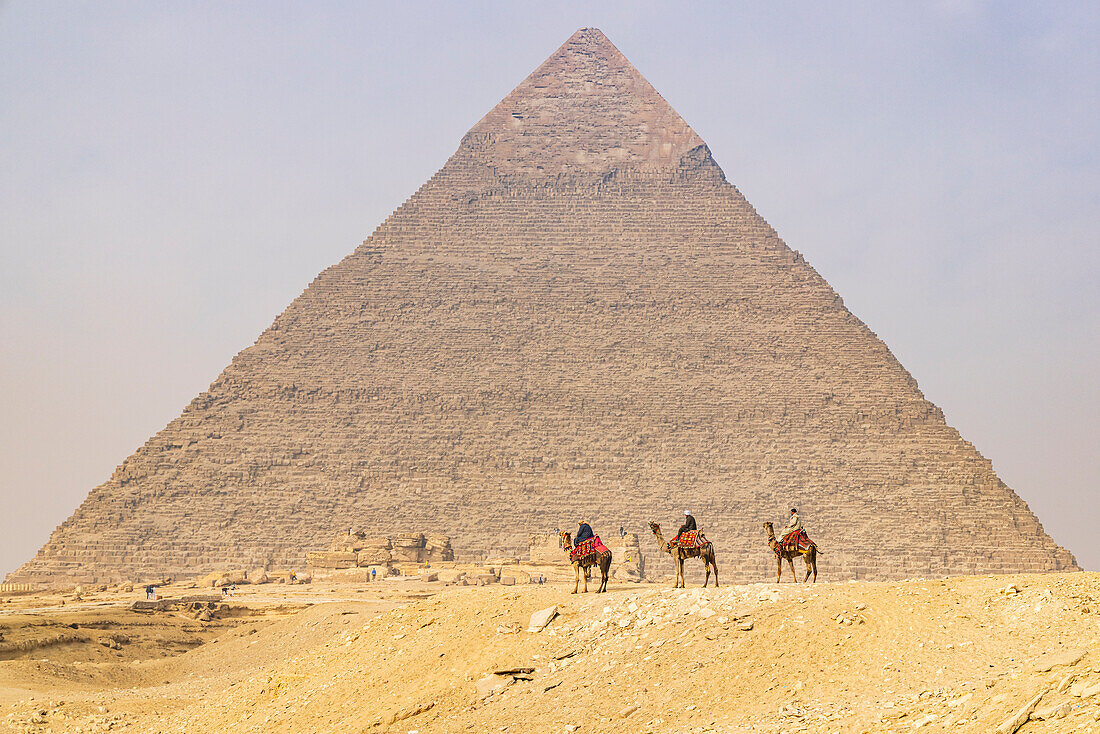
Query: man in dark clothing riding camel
[
  {"x": 584, "y": 532},
  {"x": 689, "y": 525}
]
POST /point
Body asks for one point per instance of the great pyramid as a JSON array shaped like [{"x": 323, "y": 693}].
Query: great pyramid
[{"x": 577, "y": 316}]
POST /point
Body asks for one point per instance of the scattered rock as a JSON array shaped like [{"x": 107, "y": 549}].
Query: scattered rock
[
  {"x": 492, "y": 683},
  {"x": 745, "y": 626},
  {"x": 961, "y": 700},
  {"x": 541, "y": 618},
  {"x": 628, "y": 710},
  {"x": 516, "y": 673},
  {"x": 923, "y": 720},
  {"x": 1055, "y": 711},
  {"x": 1065, "y": 657},
  {"x": 409, "y": 712},
  {"x": 1014, "y": 722},
  {"x": 1085, "y": 690}
]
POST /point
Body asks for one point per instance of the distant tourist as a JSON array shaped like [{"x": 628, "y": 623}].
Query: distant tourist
[
  {"x": 373, "y": 573},
  {"x": 622, "y": 532},
  {"x": 150, "y": 592}
]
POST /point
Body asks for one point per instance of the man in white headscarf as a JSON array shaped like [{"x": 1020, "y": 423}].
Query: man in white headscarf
[
  {"x": 689, "y": 524},
  {"x": 793, "y": 526}
]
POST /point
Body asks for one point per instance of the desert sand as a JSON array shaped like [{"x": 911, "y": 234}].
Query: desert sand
[{"x": 964, "y": 654}]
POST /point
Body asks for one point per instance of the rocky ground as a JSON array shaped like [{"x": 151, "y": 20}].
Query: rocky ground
[{"x": 972, "y": 654}]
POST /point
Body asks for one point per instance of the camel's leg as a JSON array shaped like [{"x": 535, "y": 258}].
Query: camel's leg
[
  {"x": 680, "y": 583},
  {"x": 790, "y": 562},
  {"x": 779, "y": 563},
  {"x": 806, "y": 558},
  {"x": 813, "y": 556},
  {"x": 714, "y": 565},
  {"x": 576, "y": 577},
  {"x": 706, "y": 567},
  {"x": 586, "y": 581}
]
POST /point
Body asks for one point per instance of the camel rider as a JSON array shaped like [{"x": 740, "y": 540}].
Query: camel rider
[
  {"x": 584, "y": 532},
  {"x": 689, "y": 524},
  {"x": 793, "y": 526}
]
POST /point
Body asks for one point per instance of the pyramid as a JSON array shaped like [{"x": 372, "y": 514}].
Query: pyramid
[{"x": 577, "y": 316}]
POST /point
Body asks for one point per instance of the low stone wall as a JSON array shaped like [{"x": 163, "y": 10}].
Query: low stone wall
[
  {"x": 358, "y": 550},
  {"x": 546, "y": 548},
  {"x": 628, "y": 561}
]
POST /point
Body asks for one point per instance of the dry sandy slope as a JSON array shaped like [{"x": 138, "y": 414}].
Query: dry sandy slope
[{"x": 953, "y": 655}]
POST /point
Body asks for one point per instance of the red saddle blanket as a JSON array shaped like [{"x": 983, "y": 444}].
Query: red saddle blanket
[
  {"x": 588, "y": 547},
  {"x": 691, "y": 539},
  {"x": 796, "y": 541}
]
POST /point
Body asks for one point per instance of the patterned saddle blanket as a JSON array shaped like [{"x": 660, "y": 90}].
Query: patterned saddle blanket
[
  {"x": 691, "y": 539},
  {"x": 796, "y": 541},
  {"x": 588, "y": 547}
]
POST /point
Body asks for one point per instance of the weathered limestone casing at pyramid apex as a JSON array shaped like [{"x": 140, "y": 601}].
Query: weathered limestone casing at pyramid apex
[
  {"x": 586, "y": 109},
  {"x": 576, "y": 316}
]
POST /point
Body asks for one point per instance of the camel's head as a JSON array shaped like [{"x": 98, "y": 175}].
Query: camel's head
[
  {"x": 656, "y": 529},
  {"x": 565, "y": 540},
  {"x": 768, "y": 527}
]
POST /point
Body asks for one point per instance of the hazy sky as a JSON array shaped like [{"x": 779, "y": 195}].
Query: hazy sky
[{"x": 173, "y": 174}]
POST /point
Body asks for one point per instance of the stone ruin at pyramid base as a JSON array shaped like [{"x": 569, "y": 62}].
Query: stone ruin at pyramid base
[{"x": 577, "y": 316}]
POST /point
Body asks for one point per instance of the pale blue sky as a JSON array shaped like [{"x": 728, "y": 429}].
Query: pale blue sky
[{"x": 172, "y": 175}]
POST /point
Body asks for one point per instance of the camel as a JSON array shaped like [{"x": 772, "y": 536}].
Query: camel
[
  {"x": 602, "y": 560},
  {"x": 706, "y": 552},
  {"x": 809, "y": 555}
]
